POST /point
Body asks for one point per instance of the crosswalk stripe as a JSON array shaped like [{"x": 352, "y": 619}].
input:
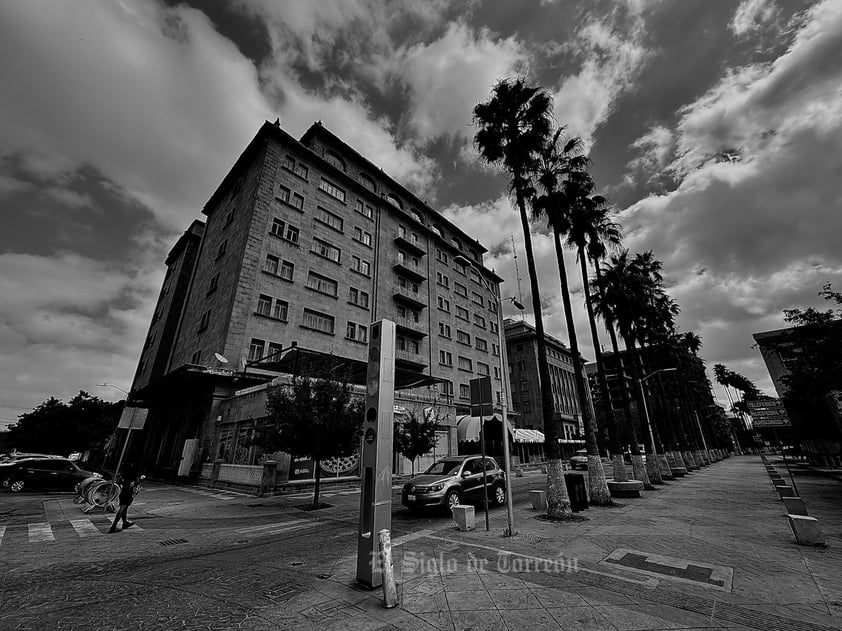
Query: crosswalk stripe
[
  {"x": 2, "y": 532},
  {"x": 279, "y": 524},
  {"x": 41, "y": 532},
  {"x": 84, "y": 527},
  {"x": 134, "y": 528}
]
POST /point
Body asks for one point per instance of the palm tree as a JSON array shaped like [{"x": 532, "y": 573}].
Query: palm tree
[
  {"x": 514, "y": 125},
  {"x": 561, "y": 170},
  {"x": 592, "y": 232}
]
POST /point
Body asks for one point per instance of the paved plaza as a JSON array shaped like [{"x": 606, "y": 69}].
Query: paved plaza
[{"x": 710, "y": 551}]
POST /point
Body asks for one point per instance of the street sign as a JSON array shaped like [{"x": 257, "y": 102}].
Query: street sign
[
  {"x": 133, "y": 418},
  {"x": 768, "y": 413},
  {"x": 481, "y": 402}
]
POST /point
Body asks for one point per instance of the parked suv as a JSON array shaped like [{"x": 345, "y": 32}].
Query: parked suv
[
  {"x": 42, "y": 472},
  {"x": 454, "y": 480}
]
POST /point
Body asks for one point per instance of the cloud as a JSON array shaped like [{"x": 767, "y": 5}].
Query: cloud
[
  {"x": 751, "y": 15},
  {"x": 655, "y": 151},
  {"x": 440, "y": 106},
  {"x": 613, "y": 54},
  {"x": 153, "y": 98},
  {"x": 74, "y": 322}
]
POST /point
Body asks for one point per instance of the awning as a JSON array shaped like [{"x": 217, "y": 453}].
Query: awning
[
  {"x": 301, "y": 361},
  {"x": 528, "y": 436},
  {"x": 467, "y": 427}
]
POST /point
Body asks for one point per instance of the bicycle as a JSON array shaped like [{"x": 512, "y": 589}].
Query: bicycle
[{"x": 97, "y": 493}]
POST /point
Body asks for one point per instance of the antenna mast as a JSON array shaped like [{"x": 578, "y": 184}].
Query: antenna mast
[{"x": 517, "y": 274}]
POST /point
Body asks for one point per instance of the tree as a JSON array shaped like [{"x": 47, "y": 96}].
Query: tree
[
  {"x": 85, "y": 422},
  {"x": 514, "y": 125},
  {"x": 563, "y": 180},
  {"x": 316, "y": 416},
  {"x": 415, "y": 437}
]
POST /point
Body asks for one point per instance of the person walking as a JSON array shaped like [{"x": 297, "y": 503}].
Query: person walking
[{"x": 129, "y": 483}]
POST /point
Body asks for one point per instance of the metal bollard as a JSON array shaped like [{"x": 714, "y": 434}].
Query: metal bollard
[{"x": 390, "y": 593}]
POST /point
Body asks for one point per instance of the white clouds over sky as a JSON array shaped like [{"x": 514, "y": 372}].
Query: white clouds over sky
[{"x": 125, "y": 116}]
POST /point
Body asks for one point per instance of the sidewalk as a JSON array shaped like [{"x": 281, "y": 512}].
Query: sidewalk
[{"x": 711, "y": 550}]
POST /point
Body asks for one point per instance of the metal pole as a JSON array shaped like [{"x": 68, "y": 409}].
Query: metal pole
[
  {"x": 646, "y": 414},
  {"x": 506, "y": 458},
  {"x": 702, "y": 433},
  {"x": 123, "y": 453},
  {"x": 484, "y": 477},
  {"x": 390, "y": 593}
]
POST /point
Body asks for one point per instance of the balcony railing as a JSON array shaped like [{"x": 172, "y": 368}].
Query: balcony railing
[
  {"x": 409, "y": 269},
  {"x": 413, "y": 245},
  {"x": 406, "y": 295}
]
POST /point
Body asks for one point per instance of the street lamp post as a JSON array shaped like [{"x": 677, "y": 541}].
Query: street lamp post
[
  {"x": 128, "y": 431},
  {"x": 640, "y": 383}
]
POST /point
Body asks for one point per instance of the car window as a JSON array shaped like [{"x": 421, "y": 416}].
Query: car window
[
  {"x": 442, "y": 467},
  {"x": 472, "y": 466},
  {"x": 51, "y": 465},
  {"x": 490, "y": 465}
]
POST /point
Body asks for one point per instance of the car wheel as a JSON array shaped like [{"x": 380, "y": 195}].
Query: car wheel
[
  {"x": 499, "y": 495},
  {"x": 17, "y": 486},
  {"x": 453, "y": 498}
]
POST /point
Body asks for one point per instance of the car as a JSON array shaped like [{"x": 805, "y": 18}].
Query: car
[
  {"x": 43, "y": 472},
  {"x": 579, "y": 459},
  {"x": 453, "y": 480}
]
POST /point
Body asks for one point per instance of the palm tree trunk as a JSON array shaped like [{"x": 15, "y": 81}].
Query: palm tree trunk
[
  {"x": 620, "y": 473},
  {"x": 598, "y": 487},
  {"x": 652, "y": 460},
  {"x": 558, "y": 501},
  {"x": 638, "y": 469}
]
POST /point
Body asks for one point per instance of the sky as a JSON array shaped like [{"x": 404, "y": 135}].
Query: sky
[{"x": 714, "y": 127}]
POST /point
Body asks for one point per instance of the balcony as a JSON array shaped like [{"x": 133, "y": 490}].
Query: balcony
[
  {"x": 408, "y": 269},
  {"x": 409, "y": 359},
  {"x": 407, "y": 243},
  {"x": 408, "y": 297},
  {"x": 410, "y": 328}
]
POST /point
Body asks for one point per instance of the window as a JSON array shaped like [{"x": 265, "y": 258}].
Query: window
[
  {"x": 497, "y": 372},
  {"x": 213, "y": 284},
  {"x": 444, "y": 304},
  {"x": 483, "y": 369},
  {"x": 456, "y": 243},
  {"x": 492, "y": 324},
  {"x": 223, "y": 247},
  {"x": 326, "y": 250},
  {"x": 322, "y": 284},
  {"x": 492, "y": 306},
  {"x": 318, "y": 321},
  {"x": 332, "y": 189},
  {"x": 460, "y": 267},
  {"x": 444, "y": 330},
  {"x": 290, "y": 164},
  {"x": 482, "y": 345},
  {"x": 462, "y": 337},
  {"x": 356, "y": 332},
  {"x": 408, "y": 284},
  {"x": 328, "y": 218},
  {"x": 460, "y": 289},
  {"x": 272, "y": 307},
  {"x": 465, "y": 364},
  {"x": 278, "y": 267},
  {"x": 196, "y": 357},
  {"x": 445, "y": 358},
  {"x": 366, "y": 181},
  {"x": 333, "y": 159},
  {"x": 256, "y": 349},
  {"x": 442, "y": 279},
  {"x": 495, "y": 350},
  {"x": 358, "y": 297},
  {"x": 405, "y": 344},
  {"x": 203, "y": 321},
  {"x": 408, "y": 260},
  {"x": 288, "y": 197},
  {"x": 285, "y": 231},
  {"x": 464, "y": 391},
  {"x": 301, "y": 171},
  {"x": 527, "y": 406},
  {"x": 394, "y": 201},
  {"x": 462, "y": 313},
  {"x": 446, "y": 388},
  {"x": 409, "y": 314},
  {"x": 441, "y": 256},
  {"x": 364, "y": 209},
  {"x": 361, "y": 266},
  {"x": 477, "y": 299},
  {"x": 479, "y": 320},
  {"x": 229, "y": 217},
  {"x": 362, "y": 236}
]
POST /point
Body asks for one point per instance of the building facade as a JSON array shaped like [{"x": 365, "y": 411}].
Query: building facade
[
  {"x": 306, "y": 243},
  {"x": 522, "y": 351}
]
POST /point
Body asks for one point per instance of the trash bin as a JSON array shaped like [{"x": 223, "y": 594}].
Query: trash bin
[{"x": 575, "y": 483}]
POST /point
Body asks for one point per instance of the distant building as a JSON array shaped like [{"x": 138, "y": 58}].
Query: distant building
[
  {"x": 522, "y": 351},
  {"x": 305, "y": 244}
]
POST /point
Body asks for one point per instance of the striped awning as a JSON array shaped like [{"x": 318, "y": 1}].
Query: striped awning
[{"x": 528, "y": 436}]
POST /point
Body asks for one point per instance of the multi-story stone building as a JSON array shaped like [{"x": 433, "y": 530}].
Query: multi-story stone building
[
  {"x": 305, "y": 243},
  {"x": 522, "y": 351}
]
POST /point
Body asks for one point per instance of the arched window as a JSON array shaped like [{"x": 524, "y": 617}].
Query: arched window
[
  {"x": 417, "y": 216},
  {"x": 366, "y": 181},
  {"x": 456, "y": 243},
  {"x": 335, "y": 159},
  {"x": 474, "y": 254},
  {"x": 437, "y": 230},
  {"x": 394, "y": 201}
]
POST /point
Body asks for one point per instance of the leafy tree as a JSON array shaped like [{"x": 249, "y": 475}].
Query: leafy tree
[
  {"x": 317, "y": 417},
  {"x": 415, "y": 437},
  {"x": 514, "y": 127},
  {"x": 85, "y": 422}
]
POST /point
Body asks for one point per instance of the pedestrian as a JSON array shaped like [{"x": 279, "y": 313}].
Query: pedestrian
[{"x": 129, "y": 483}]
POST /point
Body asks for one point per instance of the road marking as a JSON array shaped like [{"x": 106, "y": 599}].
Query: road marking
[
  {"x": 274, "y": 525},
  {"x": 134, "y": 528},
  {"x": 84, "y": 527},
  {"x": 40, "y": 532},
  {"x": 2, "y": 532}
]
